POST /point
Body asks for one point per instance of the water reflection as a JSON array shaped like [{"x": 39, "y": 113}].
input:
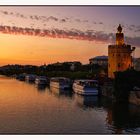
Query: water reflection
[
  {"x": 41, "y": 87},
  {"x": 25, "y": 110},
  {"x": 122, "y": 119},
  {"x": 29, "y": 82},
  {"x": 61, "y": 92},
  {"x": 87, "y": 101}
]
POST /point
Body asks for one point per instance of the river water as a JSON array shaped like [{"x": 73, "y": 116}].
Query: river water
[{"x": 28, "y": 109}]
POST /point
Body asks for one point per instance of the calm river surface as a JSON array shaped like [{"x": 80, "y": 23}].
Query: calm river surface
[{"x": 27, "y": 109}]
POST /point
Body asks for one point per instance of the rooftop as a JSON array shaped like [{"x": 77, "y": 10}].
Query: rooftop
[{"x": 100, "y": 57}]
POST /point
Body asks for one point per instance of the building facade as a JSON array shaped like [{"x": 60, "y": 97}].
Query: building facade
[{"x": 119, "y": 55}]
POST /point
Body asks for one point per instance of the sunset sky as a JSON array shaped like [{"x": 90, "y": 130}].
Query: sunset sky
[{"x": 47, "y": 34}]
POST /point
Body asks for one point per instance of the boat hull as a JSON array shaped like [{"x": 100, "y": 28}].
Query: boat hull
[
  {"x": 85, "y": 91},
  {"x": 41, "y": 81},
  {"x": 59, "y": 86},
  {"x": 30, "y": 79}
]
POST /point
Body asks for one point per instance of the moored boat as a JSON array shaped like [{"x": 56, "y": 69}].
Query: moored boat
[
  {"x": 21, "y": 77},
  {"x": 86, "y": 87},
  {"x": 60, "y": 83},
  {"x": 41, "y": 80},
  {"x": 30, "y": 78}
]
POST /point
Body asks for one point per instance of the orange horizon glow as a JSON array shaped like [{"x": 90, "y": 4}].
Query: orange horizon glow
[{"x": 37, "y": 51}]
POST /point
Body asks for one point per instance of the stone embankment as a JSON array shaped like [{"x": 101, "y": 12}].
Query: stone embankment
[
  {"x": 134, "y": 97},
  {"x": 107, "y": 89}
]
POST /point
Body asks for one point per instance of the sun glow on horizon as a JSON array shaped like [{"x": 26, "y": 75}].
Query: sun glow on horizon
[{"x": 20, "y": 49}]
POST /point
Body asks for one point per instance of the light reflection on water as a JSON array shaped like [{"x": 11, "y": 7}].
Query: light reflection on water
[{"x": 28, "y": 109}]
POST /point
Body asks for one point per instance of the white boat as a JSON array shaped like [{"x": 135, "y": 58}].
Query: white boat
[
  {"x": 60, "y": 83},
  {"x": 30, "y": 78},
  {"x": 41, "y": 80},
  {"x": 86, "y": 87}
]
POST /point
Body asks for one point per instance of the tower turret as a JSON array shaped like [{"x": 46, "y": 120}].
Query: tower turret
[{"x": 119, "y": 36}]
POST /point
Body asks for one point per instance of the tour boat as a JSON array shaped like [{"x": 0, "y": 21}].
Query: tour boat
[
  {"x": 30, "y": 78},
  {"x": 41, "y": 80},
  {"x": 86, "y": 87},
  {"x": 60, "y": 82}
]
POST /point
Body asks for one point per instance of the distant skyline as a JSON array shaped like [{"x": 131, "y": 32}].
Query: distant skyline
[{"x": 70, "y": 33}]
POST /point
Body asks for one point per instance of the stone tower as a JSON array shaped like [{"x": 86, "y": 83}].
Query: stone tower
[{"x": 119, "y": 55}]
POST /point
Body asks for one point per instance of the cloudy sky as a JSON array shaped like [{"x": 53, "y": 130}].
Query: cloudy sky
[{"x": 48, "y": 34}]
